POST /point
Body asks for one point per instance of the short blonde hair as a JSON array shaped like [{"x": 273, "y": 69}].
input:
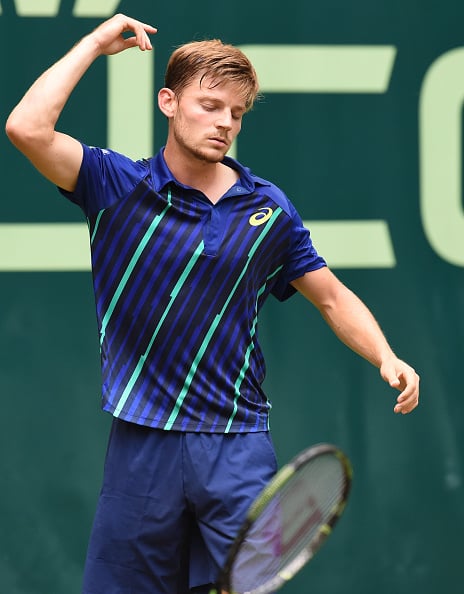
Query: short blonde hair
[{"x": 215, "y": 60}]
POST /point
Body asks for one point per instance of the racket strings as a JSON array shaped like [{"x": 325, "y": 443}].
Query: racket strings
[
  {"x": 300, "y": 510},
  {"x": 293, "y": 521}
]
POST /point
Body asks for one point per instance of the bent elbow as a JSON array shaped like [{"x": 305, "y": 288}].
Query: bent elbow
[
  {"x": 24, "y": 136},
  {"x": 12, "y": 129},
  {"x": 17, "y": 131}
]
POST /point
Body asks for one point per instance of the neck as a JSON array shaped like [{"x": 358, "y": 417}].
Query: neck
[
  {"x": 212, "y": 179},
  {"x": 187, "y": 169}
]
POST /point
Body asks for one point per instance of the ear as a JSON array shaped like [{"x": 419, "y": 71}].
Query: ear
[{"x": 167, "y": 102}]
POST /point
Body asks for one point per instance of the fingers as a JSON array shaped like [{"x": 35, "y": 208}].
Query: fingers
[
  {"x": 408, "y": 399},
  {"x": 141, "y": 31},
  {"x": 112, "y": 37},
  {"x": 406, "y": 405},
  {"x": 405, "y": 379}
]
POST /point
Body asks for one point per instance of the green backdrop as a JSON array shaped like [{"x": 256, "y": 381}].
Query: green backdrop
[{"x": 361, "y": 126}]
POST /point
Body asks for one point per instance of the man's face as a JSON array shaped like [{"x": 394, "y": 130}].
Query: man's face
[{"x": 207, "y": 118}]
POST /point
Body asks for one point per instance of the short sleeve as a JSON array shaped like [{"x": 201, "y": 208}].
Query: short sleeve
[
  {"x": 105, "y": 177},
  {"x": 302, "y": 257}
]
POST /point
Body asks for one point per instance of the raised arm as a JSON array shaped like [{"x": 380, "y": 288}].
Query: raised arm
[
  {"x": 31, "y": 125},
  {"x": 355, "y": 325}
]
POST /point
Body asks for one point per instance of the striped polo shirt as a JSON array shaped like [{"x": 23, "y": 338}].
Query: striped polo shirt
[{"x": 179, "y": 283}]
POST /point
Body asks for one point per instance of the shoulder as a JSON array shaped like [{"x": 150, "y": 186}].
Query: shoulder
[
  {"x": 276, "y": 194},
  {"x": 105, "y": 177},
  {"x": 104, "y": 158},
  {"x": 263, "y": 186}
]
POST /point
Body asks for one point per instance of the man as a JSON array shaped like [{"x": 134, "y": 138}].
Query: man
[{"x": 185, "y": 247}]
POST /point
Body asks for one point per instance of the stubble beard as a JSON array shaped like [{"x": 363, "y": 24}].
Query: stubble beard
[{"x": 195, "y": 151}]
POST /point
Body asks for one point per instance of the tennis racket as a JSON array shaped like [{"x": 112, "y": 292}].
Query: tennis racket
[{"x": 288, "y": 522}]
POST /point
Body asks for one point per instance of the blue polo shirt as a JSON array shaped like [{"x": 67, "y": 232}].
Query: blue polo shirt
[{"x": 179, "y": 283}]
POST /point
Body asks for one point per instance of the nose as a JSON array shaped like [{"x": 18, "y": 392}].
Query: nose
[{"x": 224, "y": 120}]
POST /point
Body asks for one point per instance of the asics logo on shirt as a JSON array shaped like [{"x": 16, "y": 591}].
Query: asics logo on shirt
[{"x": 260, "y": 217}]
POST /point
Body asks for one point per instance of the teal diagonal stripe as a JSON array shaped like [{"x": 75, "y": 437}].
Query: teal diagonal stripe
[
  {"x": 216, "y": 323},
  {"x": 125, "y": 278},
  {"x": 175, "y": 292}
]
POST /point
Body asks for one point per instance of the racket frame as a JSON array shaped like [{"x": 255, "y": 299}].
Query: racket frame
[{"x": 280, "y": 479}]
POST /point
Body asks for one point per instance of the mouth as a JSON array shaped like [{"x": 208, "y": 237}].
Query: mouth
[{"x": 219, "y": 141}]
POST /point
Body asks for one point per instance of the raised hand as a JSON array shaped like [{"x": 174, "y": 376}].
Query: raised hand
[{"x": 111, "y": 39}]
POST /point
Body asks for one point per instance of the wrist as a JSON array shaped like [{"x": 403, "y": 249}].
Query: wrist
[{"x": 90, "y": 46}]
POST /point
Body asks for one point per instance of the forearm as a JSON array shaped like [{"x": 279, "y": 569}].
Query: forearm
[
  {"x": 36, "y": 114},
  {"x": 356, "y": 327},
  {"x": 31, "y": 125}
]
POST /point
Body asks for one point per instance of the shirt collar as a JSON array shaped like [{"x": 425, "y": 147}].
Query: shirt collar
[{"x": 162, "y": 176}]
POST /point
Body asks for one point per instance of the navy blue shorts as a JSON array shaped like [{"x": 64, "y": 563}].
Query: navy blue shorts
[{"x": 170, "y": 506}]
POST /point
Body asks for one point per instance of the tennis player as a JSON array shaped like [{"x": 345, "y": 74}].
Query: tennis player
[{"x": 186, "y": 247}]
